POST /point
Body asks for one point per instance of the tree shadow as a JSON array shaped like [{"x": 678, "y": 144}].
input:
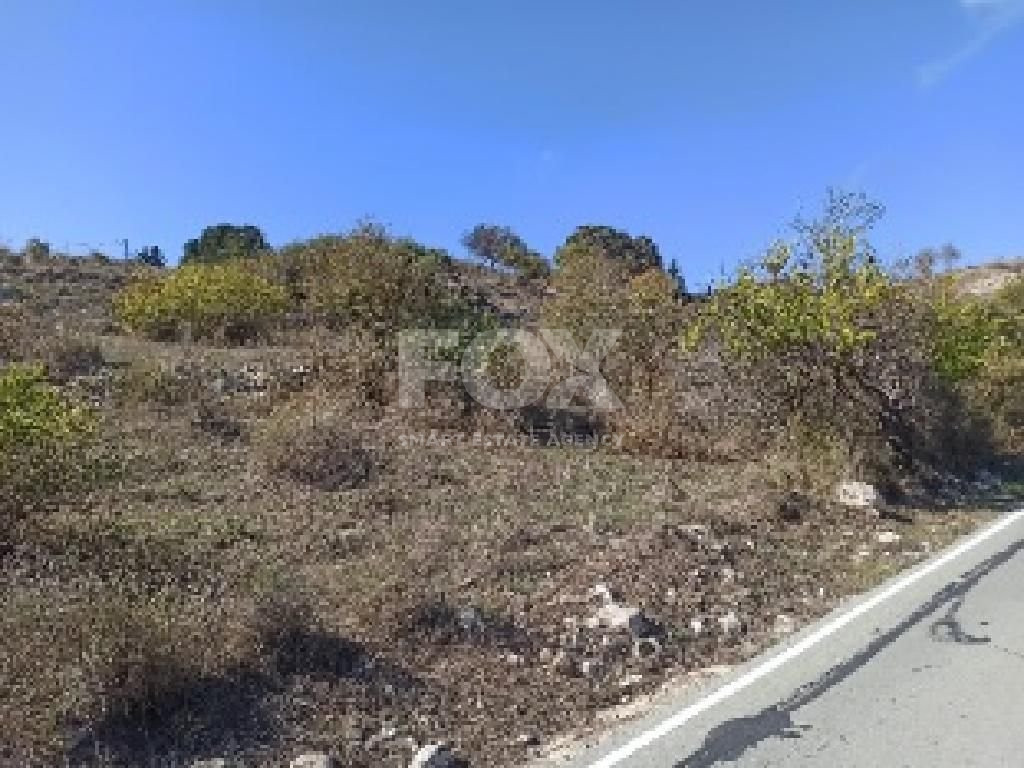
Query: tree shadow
[{"x": 729, "y": 741}]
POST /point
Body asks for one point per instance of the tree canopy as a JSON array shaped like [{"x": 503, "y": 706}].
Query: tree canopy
[{"x": 224, "y": 241}]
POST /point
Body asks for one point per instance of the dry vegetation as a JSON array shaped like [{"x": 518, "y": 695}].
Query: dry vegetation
[{"x": 252, "y": 552}]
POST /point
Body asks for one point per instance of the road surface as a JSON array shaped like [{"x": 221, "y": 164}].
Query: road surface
[{"x": 927, "y": 670}]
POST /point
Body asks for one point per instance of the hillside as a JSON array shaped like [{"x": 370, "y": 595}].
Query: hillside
[{"x": 275, "y": 560}]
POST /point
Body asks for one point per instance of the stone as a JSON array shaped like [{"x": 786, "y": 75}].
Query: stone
[
  {"x": 630, "y": 681},
  {"x": 313, "y": 760},
  {"x": 888, "y": 537},
  {"x": 602, "y": 593},
  {"x": 591, "y": 667},
  {"x": 857, "y": 495},
  {"x": 434, "y": 756},
  {"x": 696, "y": 530},
  {"x": 696, "y": 626},
  {"x": 729, "y": 623},
  {"x": 214, "y": 762},
  {"x": 385, "y": 734},
  {"x": 617, "y": 616},
  {"x": 784, "y": 625}
]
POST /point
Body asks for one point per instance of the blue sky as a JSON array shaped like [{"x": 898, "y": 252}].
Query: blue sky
[{"x": 708, "y": 126}]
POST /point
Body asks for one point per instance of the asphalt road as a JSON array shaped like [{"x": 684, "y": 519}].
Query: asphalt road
[{"x": 927, "y": 670}]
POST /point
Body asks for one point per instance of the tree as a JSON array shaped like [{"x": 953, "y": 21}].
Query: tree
[
  {"x": 498, "y": 245},
  {"x": 152, "y": 256},
  {"x": 924, "y": 263},
  {"x": 36, "y": 249},
  {"x": 950, "y": 256},
  {"x": 636, "y": 254},
  {"x": 677, "y": 278},
  {"x": 225, "y": 241}
]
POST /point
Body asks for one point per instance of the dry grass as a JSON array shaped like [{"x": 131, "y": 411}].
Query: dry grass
[{"x": 270, "y": 569}]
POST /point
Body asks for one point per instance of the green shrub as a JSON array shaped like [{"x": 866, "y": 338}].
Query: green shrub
[
  {"x": 41, "y": 435},
  {"x": 368, "y": 279},
  {"x": 963, "y": 331},
  {"x": 635, "y": 254},
  {"x": 225, "y": 302},
  {"x": 831, "y": 342}
]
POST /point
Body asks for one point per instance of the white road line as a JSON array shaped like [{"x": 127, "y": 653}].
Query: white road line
[{"x": 730, "y": 689}]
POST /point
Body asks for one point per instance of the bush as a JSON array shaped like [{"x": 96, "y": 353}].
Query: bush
[
  {"x": 829, "y": 342},
  {"x": 41, "y": 436},
  {"x": 997, "y": 389},
  {"x": 66, "y": 356},
  {"x": 312, "y": 441},
  {"x": 367, "y": 278},
  {"x": 224, "y": 302},
  {"x": 635, "y": 254}
]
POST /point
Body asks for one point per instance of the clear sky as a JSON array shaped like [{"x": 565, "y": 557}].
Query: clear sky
[{"x": 707, "y": 125}]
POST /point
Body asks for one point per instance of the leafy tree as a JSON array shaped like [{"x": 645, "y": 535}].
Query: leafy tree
[
  {"x": 636, "y": 254},
  {"x": 501, "y": 246},
  {"x": 224, "y": 241},
  {"x": 152, "y": 256}
]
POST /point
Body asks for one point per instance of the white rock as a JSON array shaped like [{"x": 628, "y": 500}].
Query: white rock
[
  {"x": 852, "y": 493},
  {"x": 728, "y": 574},
  {"x": 527, "y": 740},
  {"x": 433, "y": 756},
  {"x": 312, "y": 760},
  {"x": 615, "y": 615},
  {"x": 630, "y": 680},
  {"x": 602, "y": 593},
  {"x": 784, "y": 624},
  {"x": 729, "y": 623},
  {"x": 888, "y": 537},
  {"x": 215, "y": 762},
  {"x": 696, "y": 530},
  {"x": 697, "y": 626},
  {"x": 591, "y": 667}
]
